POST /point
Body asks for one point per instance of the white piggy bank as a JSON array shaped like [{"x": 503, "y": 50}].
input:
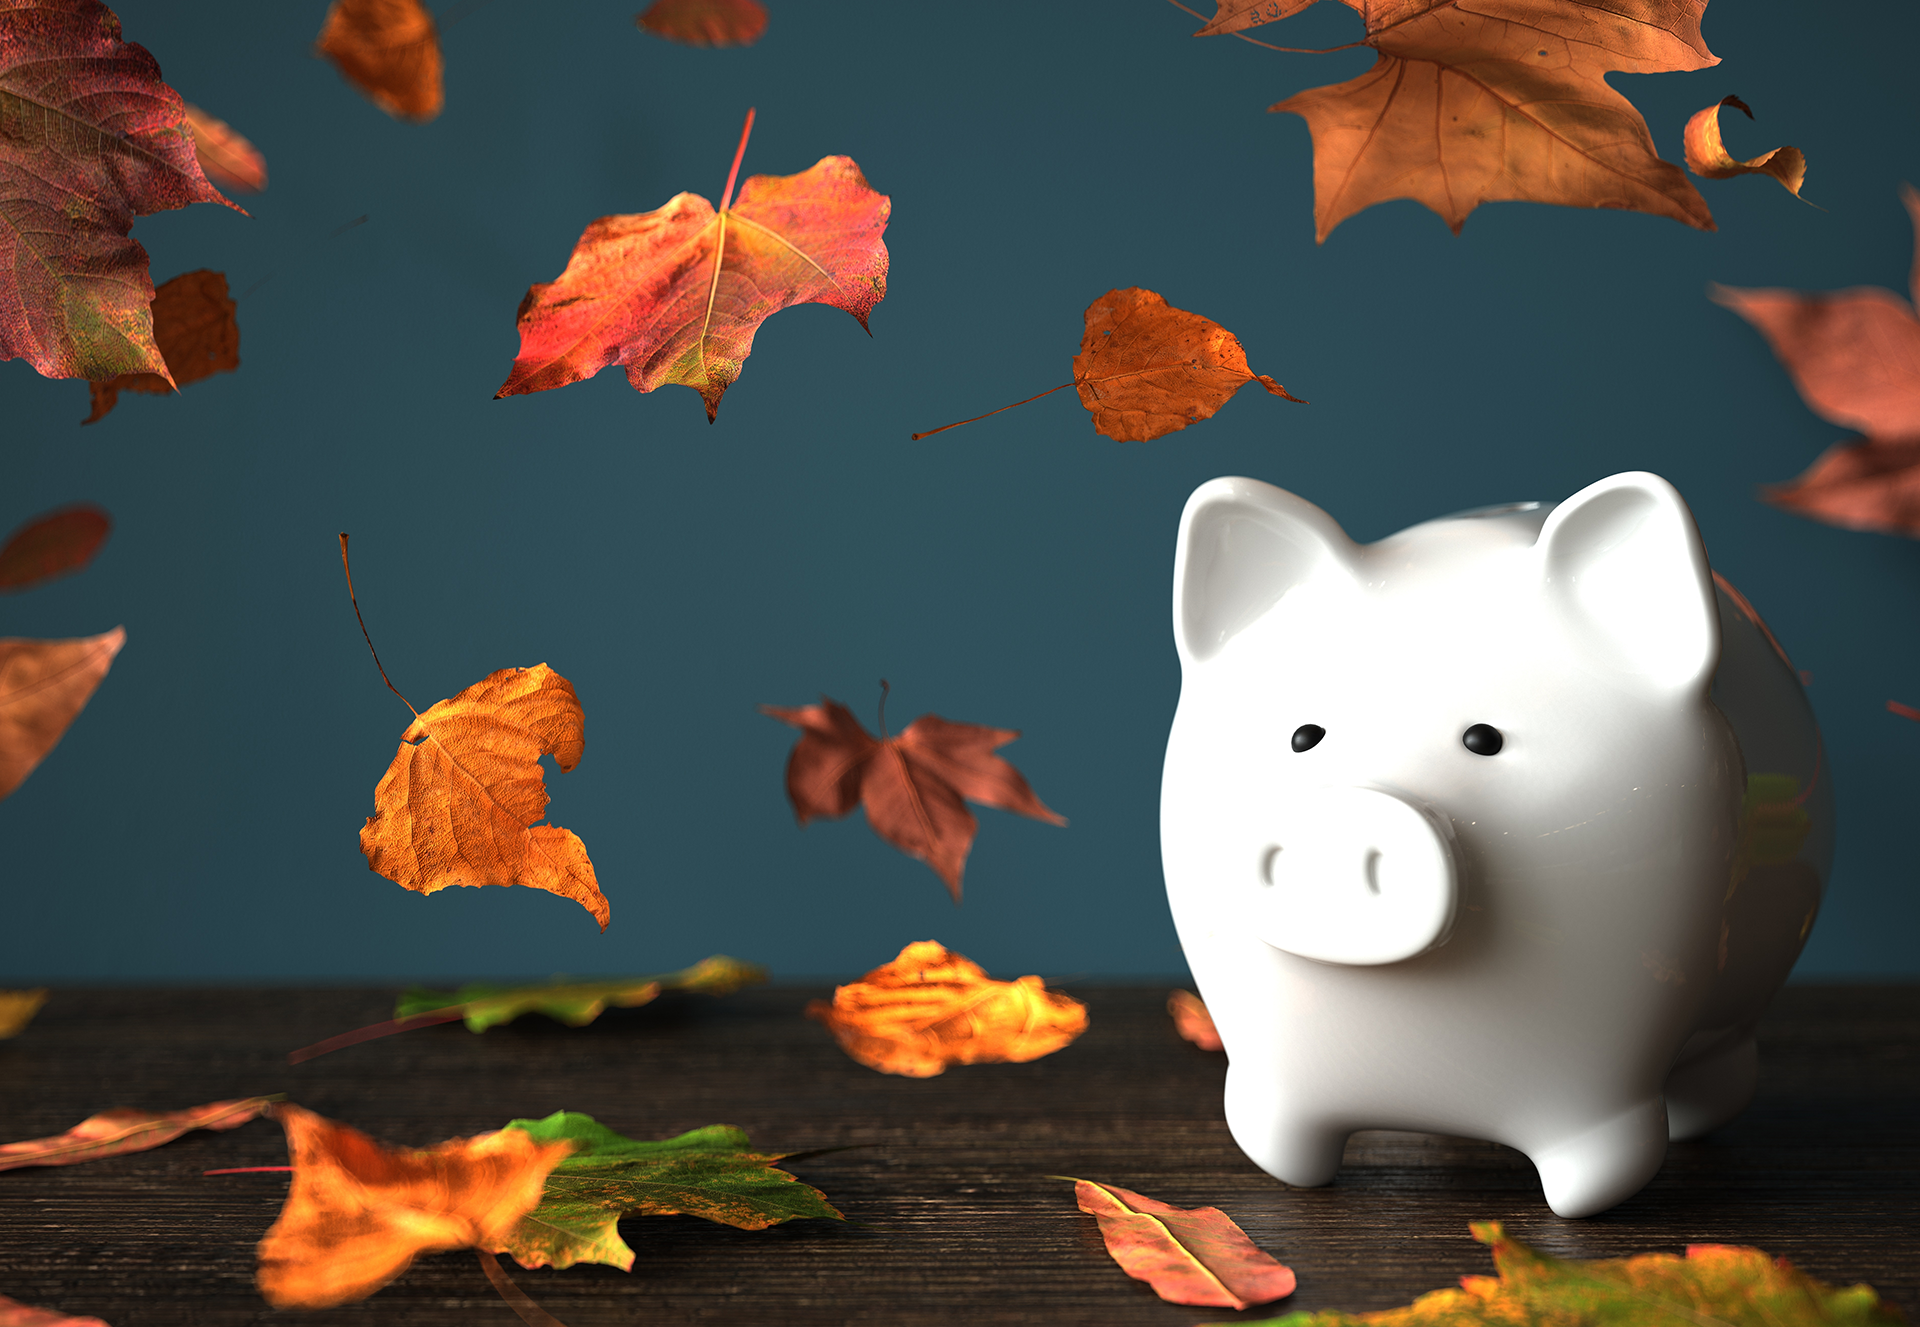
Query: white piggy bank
[{"x": 1506, "y": 826}]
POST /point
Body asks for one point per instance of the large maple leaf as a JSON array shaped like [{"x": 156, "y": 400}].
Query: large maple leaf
[
  {"x": 1473, "y": 101},
  {"x": 90, "y": 138},
  {"x": 1855, "y": 356},
  {"x": 677, "y": 295}
]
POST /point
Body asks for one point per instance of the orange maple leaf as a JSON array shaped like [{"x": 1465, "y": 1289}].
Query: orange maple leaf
[
  {"x": 677, "y": 295},
  {"x": 915, "y": 787},
  {"x": 930, "y": 1008},
  {"x": 1855, "y": 356},
  {"x": 198, "y": 336},
  {"x": 390, "y": 50},
  {"x": 357, "y": 1213},
  {"x": 706, "y": 22},
  {"x": 1707, "y": 154},
  {"x": 1473, "y": 101},
  {"x": 224, "y": 154},
  {"x": 44, "y": 684}
]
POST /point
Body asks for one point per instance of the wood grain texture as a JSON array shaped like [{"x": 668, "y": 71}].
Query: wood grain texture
[{"x": 946, "y": 1177}]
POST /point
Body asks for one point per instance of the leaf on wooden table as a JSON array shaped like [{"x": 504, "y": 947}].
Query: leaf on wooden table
[
  {"x": 224, "y": 154},
  {"x": 17, "y": 1009},
  {"x": 390, "y": 50},
  {"x": 1854, "y": 355},
  {"x": 709, "y": 1172},
  {"x": 1189, "y": 1255},
  {"x": 1717, "y": 1284},
  {"x": 93, "y": 139},
  {"x": 1192, "y": 1021},
  {"x": 930, "y": 1008},
  {"x": 357, "y": 1212},
  {"x": 1707, "y": 155},
  {"x": 114, "y": 1133},
  {"x": 44, "y": 684},
  {"x": 53, "y": 544},
  {"x": 677, "y": 295},
  {"x": 15, "y": 1314},
  {"x": 195, "y": 327},
  {"x": 705, "y": 22},
  {"x": 915, "y": 787}
]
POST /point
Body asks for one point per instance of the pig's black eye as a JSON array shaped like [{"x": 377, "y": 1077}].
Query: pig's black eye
[
  {"x": 1308, "y": 735},
  {"x": 1483, "y": 739}
]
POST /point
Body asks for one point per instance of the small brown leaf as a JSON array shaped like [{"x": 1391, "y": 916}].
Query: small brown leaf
[
  {"x": 225, "y": 156},
  {"x": 706, "y": 22},
  {"x": 44, "y": 684},
  {"x": 194, "y": 326},
  {"x": 17, "y": 1009},
  {"x": 114, "y": 1133},
  {"x": 1708, "y": 157},
  {"x": 15, "y": 1314},
  {"x": 1188, "y": 1255},
  {"x": 1192, "y": 1021},
  {"x": 390, "y": 50},
  {"x": 53, "y": 544}
]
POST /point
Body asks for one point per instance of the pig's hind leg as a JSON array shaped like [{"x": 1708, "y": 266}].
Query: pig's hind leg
[
  {"x": 1603, "y": 1163},
  {"x": 1282, "y": 1137},
  {"x": 1704, "y": 1091}
]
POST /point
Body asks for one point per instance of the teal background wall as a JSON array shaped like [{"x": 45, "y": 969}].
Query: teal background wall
[{"x": 199, "y": 821}]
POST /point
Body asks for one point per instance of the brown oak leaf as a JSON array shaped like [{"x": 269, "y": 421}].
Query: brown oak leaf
[
  {"x": 390, "y": 50},
  {"x": 706, "y": 22},
  {"x": 44, "y": 684},
  {"x": 198, "y": 335}
]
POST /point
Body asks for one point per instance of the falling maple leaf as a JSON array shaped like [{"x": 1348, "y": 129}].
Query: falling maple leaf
[
  {"x": 576, "y": 1004},
  {"x": 195, "y": 328},
  {"x": 1855, "y": 357},
  {"x": 1474, "y": 101},
  {"x": 706, "y": 1172},
  {"x": 1146, "y": 369},
  {"x": 357, "y": 1213},
  {"x": 1707, "y": 155},
  {"x": 44, "y": 684},
  {"x": 930, "y": 1008},
  {"x": 1720, "y": 1284},
  {"x": 706, "y": 22},
  {"x": 93, "y": 139},
  {"x": 390, "y": 50},
  {"x": 114, "y": 1133},
  {"x": 15, "y": 1314},
  {"x": 1192, "y": 1021},
  {"x": 1189, "y": 1255},
  {"x": 17, "y": 1009},
  {"x": 915, "y": 787},
  {"x": 677, "y": 295},
  {"x": 53, "y": 544},
  {"x": 224, "y": 154}
]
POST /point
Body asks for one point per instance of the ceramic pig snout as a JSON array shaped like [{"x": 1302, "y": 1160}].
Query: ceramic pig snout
[{"x": 1356, "y": 876}]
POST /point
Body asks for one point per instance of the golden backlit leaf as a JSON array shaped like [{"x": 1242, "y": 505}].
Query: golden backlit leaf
[
  {"x": 225, "y": 155},
  {"x": 459, "y": 803},
  {"x": 114, "y": 1133},
  {"x": 930, "y": 1008},
  {"x": 44, "y": 684},
  {"x": 357, "y": 1212},
  {"x": 17, "y": 1009},
  {"x": 1192, "y": 1021},
  {"x": 390, "y": 50},
  {"x": 1707, "y": 155},
  {"x": 194, "y": 326},
  {"x": 706, "y": 22},
  {"x": 1189, "y": 1255}
]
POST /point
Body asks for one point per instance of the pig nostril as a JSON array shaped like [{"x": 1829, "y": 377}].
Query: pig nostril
[
  {"x": 1266, "y": 864},
  {"x": 1373, "y": 870}
]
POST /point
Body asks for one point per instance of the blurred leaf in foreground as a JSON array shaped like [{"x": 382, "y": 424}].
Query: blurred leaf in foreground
[{"x": 17, "y": 1009}]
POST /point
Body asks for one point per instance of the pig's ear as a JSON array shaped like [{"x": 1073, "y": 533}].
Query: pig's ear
[
  {"x": 1242, "y": 545},
  {"x": 1622, "y": 563}
]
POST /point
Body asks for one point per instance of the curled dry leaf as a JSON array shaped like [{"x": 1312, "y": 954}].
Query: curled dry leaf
[
  {"x": 357, "y": 1212},
  {"x": 1708, "y": 157},
  {"x": 930, "y": 1008},
  {"x": 1193, "y": 1255},
  {"x": 104, "y": 141},
  {"x": 1192, "y": 1021},
  {"x": 44, "y": 684},
  {"x": 677, "y": 295},
  {"x": 227, "y": 158},
  {"x": 706, "y": 22},
  {"x": 1714, "y": 1283},
  {"x": 15, "y": 1314},
  {"x": 194, "y": 326},
  {"x": 1855, "y": 357},
  {"x": 706, "y": 1172},
  {"x": 390, "y": 50},
  {"x": 459, "y": 803},
  {"x": 915, "y": 787},
  {"x": 1476, "y": 101},
  {"x": 53, "y": 544},
  {"x": 17, "y": 1009},
  {"x": 114, "y": 1133}
]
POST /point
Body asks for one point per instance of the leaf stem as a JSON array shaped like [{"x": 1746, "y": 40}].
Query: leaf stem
[
  {"x": 517, "y": 1299},
  {"x": 884, "y": 689},
  {"x": 1290, "y": 50},
  {"x": 448, "y": 1014},
  {"x": 363, "y": 626},
  {"x": 746, "y": 132},
  {"x": 944, "y": 427}
]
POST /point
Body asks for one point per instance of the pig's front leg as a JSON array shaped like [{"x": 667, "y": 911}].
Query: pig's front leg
[
  {"x": 1598, "y": 1163},
  {"x": 1282, "y": 1137}
]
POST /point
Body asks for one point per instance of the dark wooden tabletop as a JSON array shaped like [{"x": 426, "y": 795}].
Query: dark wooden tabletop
[{"x": 948, "y": 1177}]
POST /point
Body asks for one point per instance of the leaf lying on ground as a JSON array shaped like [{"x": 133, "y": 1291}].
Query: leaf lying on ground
[
  {"x": 1855, "y": 356},
  {"x": 198, "y": 335},
  {"x": 390, "y": 50},
  {"x": 706, "y": 22},
  {"x": 1146, "y": 369},
  {"x": 53, "y": 544},
  {"x": 44, "y": 684},
  {"x": 915, "y": 787},
  {"x": 930, "y": 1008},
  {"x": 1193, "y": 1255},
  {"x": 704, "y": 1172},
  {"x": 227, "y": 158},
  {"x": 1707, "y": 155},
  {"x": 677, "y": 295},
  {"x": 574, "y": 1003},
  {"x": 17, "y": 1009},
  {"x": 358, "y": 1212},
  {"x": 15, "y": 1314},
  {"x": 1716, "y": 1284},
  {"x": 114, "y": 1133},
  {"x": 1192, "y": 1021}
]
